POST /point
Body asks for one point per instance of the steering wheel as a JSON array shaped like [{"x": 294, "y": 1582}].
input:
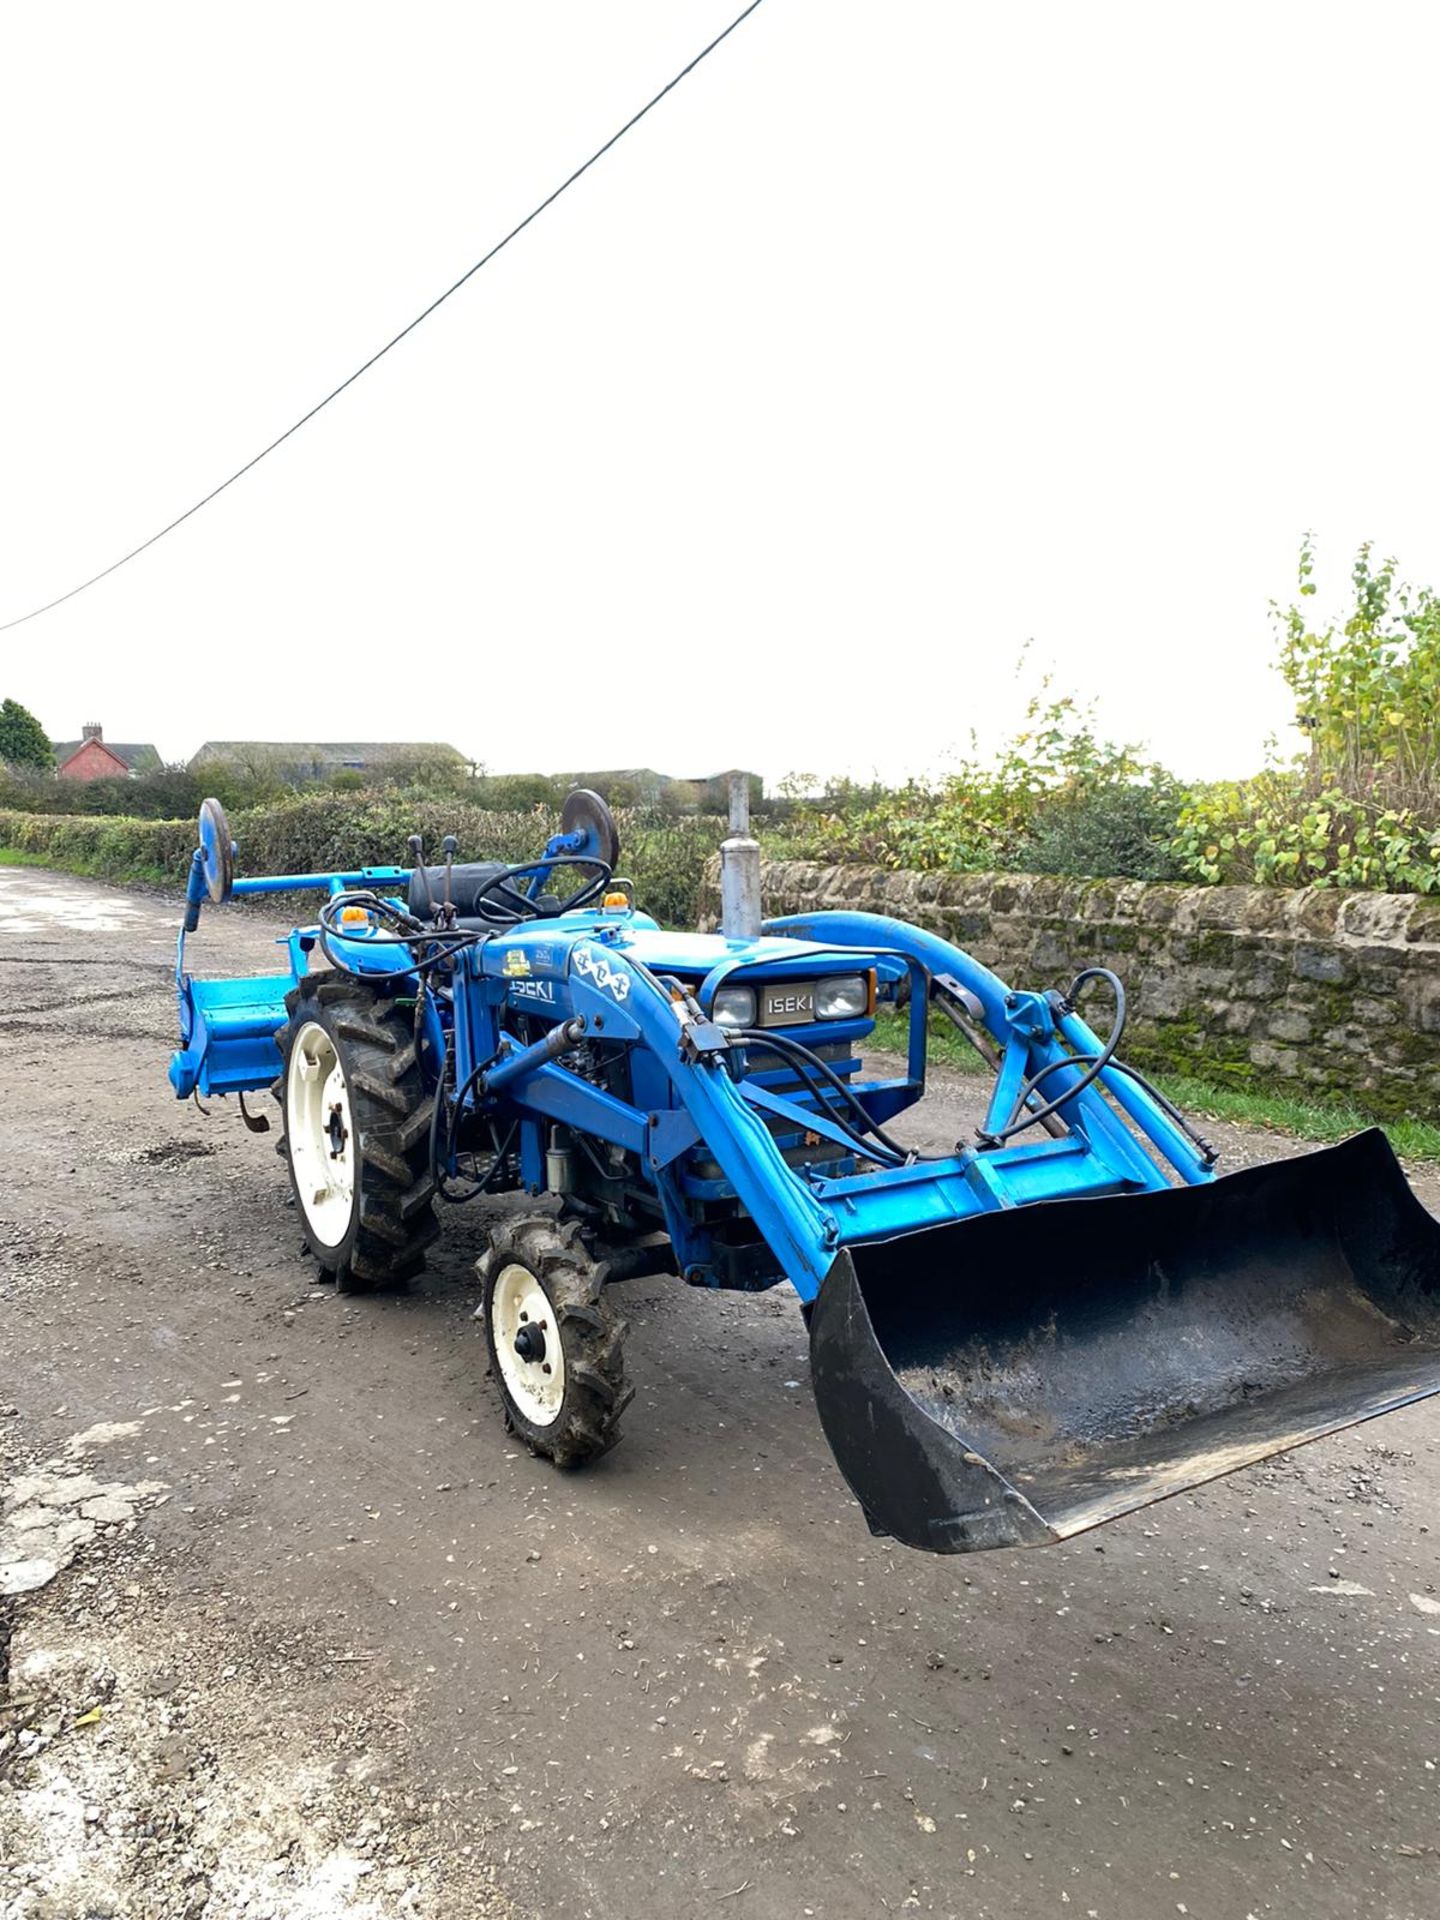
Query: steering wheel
[{"x": 510, "y": 906}]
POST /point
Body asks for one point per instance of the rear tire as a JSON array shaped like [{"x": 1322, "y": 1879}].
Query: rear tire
[
  {"x": 555, "y": 1342},
  {"x": 357, "y": 1132}
]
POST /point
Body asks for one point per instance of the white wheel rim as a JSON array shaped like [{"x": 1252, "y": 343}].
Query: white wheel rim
[
  {"x": 535, "y": 1383},
  {"x": 320, "y": 1135}
]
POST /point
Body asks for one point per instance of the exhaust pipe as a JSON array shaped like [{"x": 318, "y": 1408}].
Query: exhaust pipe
[{"x": 740, "y": 868}]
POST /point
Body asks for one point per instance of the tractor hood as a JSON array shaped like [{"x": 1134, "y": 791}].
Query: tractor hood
[
  {"x": 700, "y": 952},
  {"x": 546, "y": 944}
]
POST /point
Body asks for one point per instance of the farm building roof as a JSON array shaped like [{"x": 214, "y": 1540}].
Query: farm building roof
[{"x": 323, "y": 756}]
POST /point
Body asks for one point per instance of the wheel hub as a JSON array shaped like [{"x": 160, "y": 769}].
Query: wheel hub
[
  {"x": 530, "y": 1342},
  {"x": 527, "y": 1345}
]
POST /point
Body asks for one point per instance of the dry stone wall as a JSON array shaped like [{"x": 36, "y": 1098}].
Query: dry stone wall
[{"x": 1315, "y": 992}]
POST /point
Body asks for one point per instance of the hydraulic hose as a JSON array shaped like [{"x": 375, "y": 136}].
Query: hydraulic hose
[
  {"x": 1020, "y": 1121},
  {"x": 800, "y": 1058},
  {"x": 1147, "y": 1086},
  {"x": 449, "y": 1110},
  {"x": 410, "y": 935}
]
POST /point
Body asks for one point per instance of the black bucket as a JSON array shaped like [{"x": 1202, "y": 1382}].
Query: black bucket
[{"x": 1019, "y": 1377}]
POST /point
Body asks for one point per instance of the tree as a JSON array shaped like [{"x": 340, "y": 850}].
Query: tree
[{"x": 23, "y": 741}]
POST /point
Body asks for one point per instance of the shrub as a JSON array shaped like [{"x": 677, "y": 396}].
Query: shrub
[
  {"x": 167, "y": 793},
  {"x": 1273, "y": 831},
  {"x": 1121, "y": 831},
  {"x": 1367, "y": 689},
  {"x": 110, "y": 848},
  {"x": 1058, "y": 794}
]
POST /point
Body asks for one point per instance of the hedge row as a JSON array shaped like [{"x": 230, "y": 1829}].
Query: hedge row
[
  {"x": 110, "y": 847},
  {"x": 663, "y": 854}
]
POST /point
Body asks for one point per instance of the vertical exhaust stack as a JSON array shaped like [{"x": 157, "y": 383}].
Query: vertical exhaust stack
[{"x": 740, "y": 868}]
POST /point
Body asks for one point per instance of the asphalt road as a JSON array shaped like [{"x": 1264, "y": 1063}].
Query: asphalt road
[{"x": 683, "y": 1683}]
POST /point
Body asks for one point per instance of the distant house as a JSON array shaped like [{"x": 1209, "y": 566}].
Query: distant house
[
  {"x": 93, "y": 757},
  {"x": 318, "y": 759}
]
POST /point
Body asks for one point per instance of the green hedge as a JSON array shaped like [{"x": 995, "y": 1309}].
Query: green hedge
[
  {"x": 663, "y": 854},
  {"x": 109, "y": 847}
]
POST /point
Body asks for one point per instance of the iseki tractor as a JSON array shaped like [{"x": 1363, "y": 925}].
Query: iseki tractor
[{"x": 1058, "y": 1321}]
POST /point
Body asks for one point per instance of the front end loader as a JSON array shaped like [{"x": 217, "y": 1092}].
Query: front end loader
[{"x": 1059, "y": 1321}]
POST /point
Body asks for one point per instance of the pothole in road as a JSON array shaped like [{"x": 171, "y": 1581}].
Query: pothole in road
[{"x": 172, "y": 1153}]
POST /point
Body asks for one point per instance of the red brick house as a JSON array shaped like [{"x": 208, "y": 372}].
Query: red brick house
[{"x": 92, "y": 757}]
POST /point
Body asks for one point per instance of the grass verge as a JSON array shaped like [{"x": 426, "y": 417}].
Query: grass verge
[{"x": 1273, "y": 1112}]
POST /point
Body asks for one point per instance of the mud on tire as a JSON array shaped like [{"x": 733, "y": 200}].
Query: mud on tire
[
  {"x": 565, "y": 1396},
  {"x": 381, "y": 1237}
]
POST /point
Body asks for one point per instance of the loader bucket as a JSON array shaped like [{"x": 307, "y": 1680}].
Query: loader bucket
[{"x": 1022, "y": 1376}]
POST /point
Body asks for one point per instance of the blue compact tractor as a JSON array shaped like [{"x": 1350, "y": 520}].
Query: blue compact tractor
[{"x": 1053, "y": 1323}]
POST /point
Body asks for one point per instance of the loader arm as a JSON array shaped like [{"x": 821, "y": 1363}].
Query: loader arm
[{"x": 1028, "y": 1035}]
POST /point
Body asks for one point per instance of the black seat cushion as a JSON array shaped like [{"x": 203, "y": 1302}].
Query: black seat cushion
[
  {"x": 467, "y": 883},
  {"x": 427, "y": 887}
]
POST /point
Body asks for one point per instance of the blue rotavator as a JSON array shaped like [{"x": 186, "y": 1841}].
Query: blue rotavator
[{"x": 1062, "y": 1320}]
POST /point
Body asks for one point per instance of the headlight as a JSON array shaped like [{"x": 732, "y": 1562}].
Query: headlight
[
  {"x": 734, "y": 1007},
  {"x": 845, "y": 996}
]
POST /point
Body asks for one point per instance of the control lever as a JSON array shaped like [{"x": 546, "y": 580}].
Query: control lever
[
  {"x": 449, "y": 846},
  {"x": 416, "y": 846}
]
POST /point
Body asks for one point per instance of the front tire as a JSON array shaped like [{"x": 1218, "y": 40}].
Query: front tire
[
  {"x": 555, "y": 1342},
  {"x": 357, "y": 1132}
]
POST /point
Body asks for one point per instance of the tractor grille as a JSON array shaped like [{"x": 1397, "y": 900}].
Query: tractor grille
[{"x": 763, "y": 1060}]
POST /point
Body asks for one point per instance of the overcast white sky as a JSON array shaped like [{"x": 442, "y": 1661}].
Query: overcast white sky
[{"x": 900, "y": 334}]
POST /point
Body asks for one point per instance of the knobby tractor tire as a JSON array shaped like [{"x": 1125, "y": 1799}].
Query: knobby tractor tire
[
  {"x": 380, "y": 1237},
  {"x": 576, "y": 1418}
]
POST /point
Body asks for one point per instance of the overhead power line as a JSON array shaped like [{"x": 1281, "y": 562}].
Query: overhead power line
[{"x": 365, "y": 366}]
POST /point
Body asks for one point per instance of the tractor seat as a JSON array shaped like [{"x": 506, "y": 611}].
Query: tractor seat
[{"x": 467, "y": 882}]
